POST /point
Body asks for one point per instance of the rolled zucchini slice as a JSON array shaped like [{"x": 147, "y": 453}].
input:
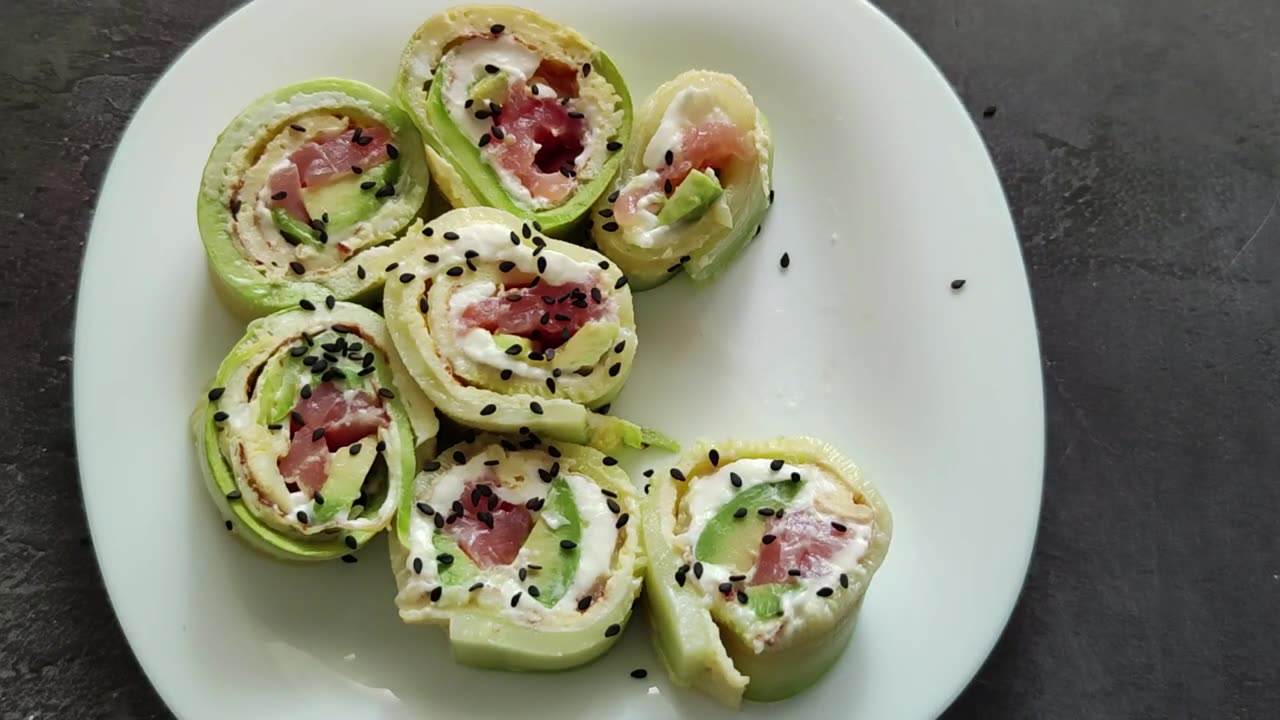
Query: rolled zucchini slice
[
  {"x": 695, "y": 184},
  {"x": 759, "y": 556},
  {"x": 305, "y": 191},
  {"x": 525, "y": 550},
  {"x": 518, "y": 112},
  {"x": 307, "y": 436},
  {"x": 504, "y": 328}
]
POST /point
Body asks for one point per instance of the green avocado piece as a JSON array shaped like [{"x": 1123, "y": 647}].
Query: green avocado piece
[
  {"x": 504, "y": 342},
  {"x": 344, "y": 201},
  {"x": 543, "y": 545},
  {"x": 461, "y": 570},
  {"x": 490, "y": 87},
  {"x": 766, "y": 600},
  {"x": 586, "y": 346},
  {"x": 293, "y": 228},
  {"x": 347, "y": 473},
  {"x": 733, "y": 541},
  {"x": 278, "y": 388},
  {"x": 691, "y": 199}
]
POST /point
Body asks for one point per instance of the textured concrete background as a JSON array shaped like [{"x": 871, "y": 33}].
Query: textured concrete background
[{"x": 1138, "y": 141}]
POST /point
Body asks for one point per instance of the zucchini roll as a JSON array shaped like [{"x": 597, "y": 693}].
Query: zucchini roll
[
  {"x": 518, "y": 112},
  {"x": 524, "y": 549},
  {"x": 504, "y": 328},
  {"x": 304, "y": 191},
  {"x": 308, "y": 434},
  {"x": 695, "y": 182},
  {"x": 760, "y": 554}
]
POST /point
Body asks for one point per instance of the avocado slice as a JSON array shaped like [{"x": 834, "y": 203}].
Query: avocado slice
[
  {"x": 347, "y": 473},
  {"x": 293, "y": 228},
  {"x": 586, "y": 346},
  {"x": 733, "y": 541},
  {"x": 543, "y": 545},
  {"x": 490, "y": 87},
  {"x": 698, "y": 191},
  {"x": 345, "y": 202},
  {"x": 504, "y": 343},
  {"x": 459, "y": 572},
  {"x": 278, "y": 388}
]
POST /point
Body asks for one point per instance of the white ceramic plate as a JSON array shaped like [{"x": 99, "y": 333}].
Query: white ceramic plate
[{"x": 885, "y": 194}]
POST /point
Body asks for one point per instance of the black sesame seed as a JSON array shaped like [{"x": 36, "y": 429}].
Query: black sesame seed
[
  {"x": 506, "y": 374},
  {"x": 515, "y": 600},
  {"x": 306, "y": 304},
  {"x": 740, "y": 513},
  {"x": 497, "y": 29},
  {"x": 355, "y": 449},
  {"x": 825, "y": 592},
  {"x": 385, "y": 191},
  {"x": 737, "y": 578},
  {"x": 742, "y": 597},
  {"x": 568, "y": 544},
  {"x": 350, "y": 559},
  {"x": 537, "y": 226},
  {"x": 355, "y": 169},
  {"x": 302, "y": 517},
  {"x": 776, "y": 465},
  {"x": 275, "y": 426},
  {"x": 610, "y": 226},
  {"x": 613, "y": 146},
  {"x": 535, "y": 504},
  {"x": 612, "y": 630},
  {"x": 439, "y": 521},
  {"x": 586, "y": 69},
  {"x": 668, "y": 187},
  {"x": 280, "y": 195},
  {"x": 648, "y": 473},
  {"x": 613, "y": 196},
  {"x": 484, "y": 139},
  {"x": 697, "y": 570},
  {"x": 794, "y": 572},
  {"x": 330, "y": 301},
  {"x": 431, "y": 258},
  {"x": 714, "y": 457},
  {"x": 839, "y": 527},
  {"x": 406, "y": 277},
  {"x": 542, "y": 264},
  {"x": 613, "y": 506},
  {"x": 768, "y": 539},
  {"x": 785, "y": 262},
  {"x": 795, "y": 477},
  {"x": 576, "y": 115},
  {"x": 423, "y": 305},
  {"x": 957, "y": 284},
  {"x": 235, "y": 209},
  {"x": 506, "y": 266},
  {"x": 417, "y": 566},
  {"x": 514, "y": 349},
  {"x": 680, "y": 575},
  {"x": 584, "y": 602},
  {"x": 451, "y": 235},
  {"x": 614, "y": 369},
  {"x": 989, "y": 112},
  {"x": 428, "y": 231},
  {"x": 726, "y": 587},
  {"x": 350, "y": 542},
  {"x": 622, "y": 281},
  {"x": 535, "y": 407},
  {"x": 454, "y": 271},
  {"x": 482, "y": 114},
  {"x": 216, "y": 393},
  {"x": 367, "y": 185},
  {"x": 622, "y": 520},
  {"x": 534, "y": 591},
  {"x": 436, "y": 593},
  {"x": 444, "y": 559},
  {"x": 234, "y": 495},
  {"x": 670, "y": 157},
  {"x": 317, "y": 434},
  {"x": 771, "y": 196},
  {"x": 844, "y": 580},
  {"x": 220, "y": 416},
  {"x": 468, "y": 103},
  {"x": 765, "y": 512},
  {"x": 677, "y": 475},
  {"x": 297, "y": 267},
  {"x": 426, "y": 509},
  {"x": 491, "y": 68}
]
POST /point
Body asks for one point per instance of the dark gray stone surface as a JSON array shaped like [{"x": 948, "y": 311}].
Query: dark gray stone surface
[{"x": 1139, "y": 144}]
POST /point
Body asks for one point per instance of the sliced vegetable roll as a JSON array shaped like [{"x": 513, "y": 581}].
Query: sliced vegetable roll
[
  {"x": 303, "y": 192},
  {"x": 518, "y": 112},
  {"x": 504, "y": 328},
  {"x": 523, "y": 549},
  {"x": 307, "y": 437},
  {"x": 759, "y": 556},
  {"x": 695, "y": 182}
]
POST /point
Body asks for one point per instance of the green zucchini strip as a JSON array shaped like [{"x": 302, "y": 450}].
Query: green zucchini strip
[
  {"x": 337, "y": 239},
  {"x": 549, "y": 582},
  {"x": 695, "y": 184},
  {"x": 548, "y": 84},
  {"x": 759, "y": 556},
  {"x": 271, "y": 392},
  {"x": 575, "y": 347}
]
